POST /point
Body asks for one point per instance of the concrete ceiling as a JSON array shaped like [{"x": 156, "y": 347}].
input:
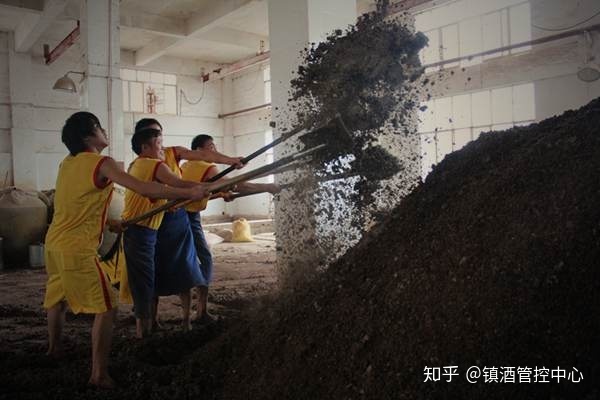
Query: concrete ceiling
[
  {"x": 223, "y": 31},
  {"x": 13, "y": 12},
  {"x": 133, "y": 39},
  {"x": 207, "y": 51},
  {"x": 216, "y": 31},
  {"x": 253, "y": 19},
  {"x": 170, "y": 8}
]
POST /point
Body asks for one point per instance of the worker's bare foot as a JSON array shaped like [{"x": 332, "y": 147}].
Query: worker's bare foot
[
  {"x": 56, "y": 354},
  {"x": 143, "y": 334},
  {"x": 143, "y": 329},
  {"x": 104, "y": 382}
]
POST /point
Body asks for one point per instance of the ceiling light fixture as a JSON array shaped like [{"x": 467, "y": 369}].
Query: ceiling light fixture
[
  {"x": 66, "y": 84},
  {"x": 589, "y": 71}
]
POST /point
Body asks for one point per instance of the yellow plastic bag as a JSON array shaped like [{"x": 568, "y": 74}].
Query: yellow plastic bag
[{"x": 241, "y": 231}]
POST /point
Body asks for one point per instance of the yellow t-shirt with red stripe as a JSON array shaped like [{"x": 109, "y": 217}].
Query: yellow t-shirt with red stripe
[
  {"x": 196, "y": 171},
  {"x": 144, "y": 169},
  {"x": 80, "y": 205},
  {"x": 172, "y": 161}
]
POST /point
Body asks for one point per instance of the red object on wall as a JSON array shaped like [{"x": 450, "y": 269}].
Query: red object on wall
[{"x": 51, "y": 56}]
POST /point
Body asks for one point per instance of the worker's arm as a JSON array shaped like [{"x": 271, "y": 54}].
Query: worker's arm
[
  {"x": 109, "y": 169},
  {"x": 166, "y": 176},
  {"x": 245, "y": 187},
  {"x": 207, "y": 155}
]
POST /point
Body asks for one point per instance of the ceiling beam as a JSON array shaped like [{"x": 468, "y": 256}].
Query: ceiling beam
[
  {"x": 15, "y": 12},
  {"x": 413, "y": 5},
  {"x": 400, "y": 6},
  {"x": 35, "y": 6},
  {"x": 234, "y": 37},
  {"x": 203, "y": 21},
  {"x": 237, "y": 66},
  {"x": 31, "y": 27},
  {"x": 156, "y": 24},
  {"x": 157, "y": 48},
  {"x": 213, "y": 14}
]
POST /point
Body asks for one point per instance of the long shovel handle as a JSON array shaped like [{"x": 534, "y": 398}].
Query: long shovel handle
[
  {"x": 218, "y": 186},
  {"x": 263, "y": 171},
  {"x": 258, "y": 152},
  {"x": 237, "y": 195},
  {"x": 253, "y": 192},
  {"x": 284, "y": 168}
]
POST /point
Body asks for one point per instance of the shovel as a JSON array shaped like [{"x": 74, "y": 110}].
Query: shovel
[{"x": 214, "y": 187}]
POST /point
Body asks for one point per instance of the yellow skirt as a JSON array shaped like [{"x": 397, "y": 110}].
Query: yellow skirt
[{"x": 79, "y": 279}]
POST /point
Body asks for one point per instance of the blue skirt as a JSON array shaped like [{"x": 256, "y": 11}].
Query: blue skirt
[
  {"x": 177, "y": 267},
  {"x": 139, "y": 245},
  {"x": 202, "y": 250}
]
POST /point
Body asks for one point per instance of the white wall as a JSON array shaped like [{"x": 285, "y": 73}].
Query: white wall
[
  {"x": 504, "y": 89},
  {"x": 32, "y": 114},
  {"x": 5, "y": 121},
  {"x": 41, "y": 145},
  {"x": 38, "y": 113},
  {"x": 249, "y": 131},
  {"x": 190, "y": 107},
  {"x": 196, "y": 111},
  {"x": 450, "y": 122}
]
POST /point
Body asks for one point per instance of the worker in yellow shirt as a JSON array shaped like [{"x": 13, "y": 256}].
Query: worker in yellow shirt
[
  {"x": 174, "y": 154},
  {"x": 176, "y": 265},
  {"x": 83, "y": 191},
  {"x": 202, "y": 171}
]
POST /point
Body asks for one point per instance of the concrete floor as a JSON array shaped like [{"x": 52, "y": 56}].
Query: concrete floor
[{"x": 242, "y": 272}]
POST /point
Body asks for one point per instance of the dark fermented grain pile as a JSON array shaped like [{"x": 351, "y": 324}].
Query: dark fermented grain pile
[{"x": 492, "y": 262}]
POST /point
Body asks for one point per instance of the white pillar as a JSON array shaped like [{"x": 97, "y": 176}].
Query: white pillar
[
  {"x": 293, "y": 25},
  {"x": 22, "y": 124},
  {"x": 6, "y": 173},
  {"x": 100, "y": 39}
]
